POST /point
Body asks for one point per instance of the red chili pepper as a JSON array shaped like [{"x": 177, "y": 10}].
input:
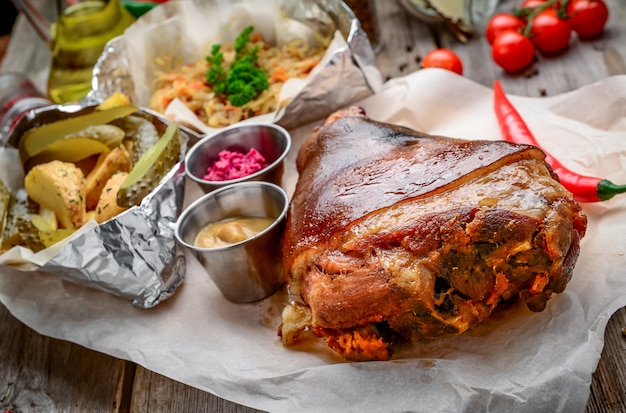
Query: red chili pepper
[{"x": 584, "y": 188}]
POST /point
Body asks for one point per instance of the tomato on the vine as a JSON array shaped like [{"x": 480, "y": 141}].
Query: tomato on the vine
[
  {"x": 542, "y": 25},
  {"x": 587, "y": 17},
  {"x": 444, "y": 59},
  {"x": 549, "y": 32},
  {"x": 500, "y": 22},
  {"x": 512, "y": 51}
]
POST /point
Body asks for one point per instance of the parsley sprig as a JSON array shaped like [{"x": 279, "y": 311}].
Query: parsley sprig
[{"x": 243, "y": 80}]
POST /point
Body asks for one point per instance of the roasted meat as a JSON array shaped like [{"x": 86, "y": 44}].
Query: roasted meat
[{"x": 394, "y": 235}]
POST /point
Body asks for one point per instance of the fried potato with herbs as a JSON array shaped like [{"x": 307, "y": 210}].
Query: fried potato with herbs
[
  {"x": 118, "y": 160},
  {"x": 60, "y": 187},
  {"x": 107, "y": 206}
]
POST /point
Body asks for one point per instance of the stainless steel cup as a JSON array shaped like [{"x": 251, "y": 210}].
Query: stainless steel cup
[
  {"x": 272, "y": 141},
  {"x": 249, "y": 270}
]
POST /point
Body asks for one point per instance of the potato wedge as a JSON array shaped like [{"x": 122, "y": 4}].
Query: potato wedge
[
  {"x": 107, "y": 207},
  {"x": 115, "y": 100},
  {"x": 59, "y": 186},
  {"x": 118, "y": 160}
]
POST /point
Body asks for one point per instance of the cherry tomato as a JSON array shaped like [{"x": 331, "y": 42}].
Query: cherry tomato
[
  {"x": 512, "y": 51},
  {"x": 444, "y": 59},
  {"x": 500, "y": 22},
  {"x": 549, "y": 33},
  {"x": 587, "y": 17}
]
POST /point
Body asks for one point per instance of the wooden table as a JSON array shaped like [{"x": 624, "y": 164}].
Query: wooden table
[{"x": 38, "y": 373}]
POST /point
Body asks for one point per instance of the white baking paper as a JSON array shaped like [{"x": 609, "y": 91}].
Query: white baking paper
[{"x": 517, "y": 361}]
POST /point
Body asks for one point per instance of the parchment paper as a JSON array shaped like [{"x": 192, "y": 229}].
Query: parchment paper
[{"x": 517, "y": 361}]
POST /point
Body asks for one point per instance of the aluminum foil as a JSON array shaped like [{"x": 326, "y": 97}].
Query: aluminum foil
[
  {"x": 349, "y": 74},
  {"x": 134, "y": 255}
]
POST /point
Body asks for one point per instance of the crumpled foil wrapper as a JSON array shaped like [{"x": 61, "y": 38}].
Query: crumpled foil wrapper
[
  {"x": 346, "y": 74},
  {"x": 133, "y": 255}
]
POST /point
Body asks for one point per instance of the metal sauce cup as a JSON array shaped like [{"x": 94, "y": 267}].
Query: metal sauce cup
[
  {"x": 249, "y": 270},
  {"x": 272, "y": 141}
]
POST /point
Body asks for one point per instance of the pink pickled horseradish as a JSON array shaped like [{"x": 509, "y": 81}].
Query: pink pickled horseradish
[{"x": 234, "y": 165}]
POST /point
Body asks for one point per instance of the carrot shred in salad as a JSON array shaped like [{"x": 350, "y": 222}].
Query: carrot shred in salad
[{"x": 188, "y": 83}]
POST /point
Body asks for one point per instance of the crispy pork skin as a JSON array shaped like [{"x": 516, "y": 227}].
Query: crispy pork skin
[{"x": 395, "y": 235}]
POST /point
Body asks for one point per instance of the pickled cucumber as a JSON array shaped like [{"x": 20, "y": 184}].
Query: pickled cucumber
[
  {"x": 38, "y": 139},
  {"x": 140, "y": 135},
  {"x": 19, "y": 206},
  {"x": 109, "y": 135},
  {"x": 151, "y": 168},
  {"x": 5, "y": 199},
  {"x": 36, "y": 233},
  {"x": 29, "y": 233},
  {"x": 68, "y": 150}
]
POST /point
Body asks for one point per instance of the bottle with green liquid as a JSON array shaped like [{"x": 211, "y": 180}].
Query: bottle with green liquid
[{"x": 76, "y": 40}]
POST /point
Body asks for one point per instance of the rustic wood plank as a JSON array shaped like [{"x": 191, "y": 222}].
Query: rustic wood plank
[
  {"x": 153, "y": 392},
  {"x": 608, "y": 388},
  {"x": 406, "y": 40},
  {"x": 41, "y": 374}
]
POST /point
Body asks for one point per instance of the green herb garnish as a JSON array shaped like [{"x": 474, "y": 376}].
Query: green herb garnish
[{"x": 244, "y": 80}]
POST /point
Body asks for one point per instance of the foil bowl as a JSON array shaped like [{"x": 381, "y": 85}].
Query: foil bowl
[
  {"x": 348, "y": 72},
  {"x": 133, "y": 255}
]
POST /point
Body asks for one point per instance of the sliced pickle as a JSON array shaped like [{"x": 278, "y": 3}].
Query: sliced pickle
[
  {"x": 11, "y": 240},
  {"x": 110, "y": 135},
  {"x": 29, "y": 233},
  {"x": 37, "y": 139},
  {"x": 5, "y": 200},
  {"x": 36, "y": 232},
  {"x": 68, "y": 150},
  {"x": 19, "y": 206},
  {"x": 141, "y": 134},
  {"x": 151, "y": 168}
]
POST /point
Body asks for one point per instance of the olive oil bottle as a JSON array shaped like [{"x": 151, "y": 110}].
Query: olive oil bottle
[{"x": 79, "y": 35}]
